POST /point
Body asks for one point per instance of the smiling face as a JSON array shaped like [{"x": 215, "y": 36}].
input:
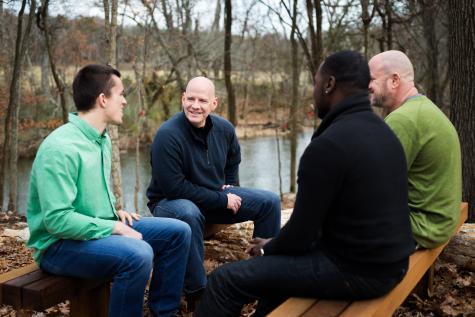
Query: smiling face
[
  {"x": 198, "y": 101},
  {"x": 115, "y": 102}
]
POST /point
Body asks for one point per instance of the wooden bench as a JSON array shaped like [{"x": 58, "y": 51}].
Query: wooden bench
[
  {"x": 420, "y": 268},
  {"x": 30, "y": 288}
]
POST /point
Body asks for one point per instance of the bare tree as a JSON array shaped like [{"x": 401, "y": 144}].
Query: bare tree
[
  {"x": 294, "y": 99},
  {"x": 10, "y": 145},
  {"x": 141, "y": 113},
  {"x": 315, "y": 34},
  {"x": 110, "y": 12},
  {"x": 385, "y": 12},
  {"x": 43, "y": 24},
  {"x": 171, "y": 54},
  {"x": 366, "y": 18},
  {"x": 461, "y": 14},
  {"x": 429, "y": 10},
  {"x": 228, "y": 18}
]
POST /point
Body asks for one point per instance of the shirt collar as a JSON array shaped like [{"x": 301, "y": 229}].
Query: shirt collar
[{"x": 90, "y": 132}]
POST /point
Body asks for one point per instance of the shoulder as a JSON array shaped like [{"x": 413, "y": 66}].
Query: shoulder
[
  {"x": 222, "y": 125},
  {"x": 60, "y": 145},
  {"x": 172, "y": 127}
]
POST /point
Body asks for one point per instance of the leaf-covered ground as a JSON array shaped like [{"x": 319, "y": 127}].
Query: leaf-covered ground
[{"x": 454, "y": 288}]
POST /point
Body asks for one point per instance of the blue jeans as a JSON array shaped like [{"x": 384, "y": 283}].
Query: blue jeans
[
  {"x": 260, "y": 206},
  {"x": 274, "y": 278},
  {"x": 129, "y": 262}
]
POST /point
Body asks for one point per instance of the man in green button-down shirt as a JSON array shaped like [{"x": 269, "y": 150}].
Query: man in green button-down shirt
[{"x": 75, "y": 229}]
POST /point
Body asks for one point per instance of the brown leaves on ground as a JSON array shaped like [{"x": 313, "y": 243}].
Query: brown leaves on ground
[
  {"x": 453, "y": 295},
  {"x": 454, "y": 288}
]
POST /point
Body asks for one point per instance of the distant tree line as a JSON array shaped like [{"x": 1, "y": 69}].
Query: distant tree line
[{"x": 262, "y": 55}]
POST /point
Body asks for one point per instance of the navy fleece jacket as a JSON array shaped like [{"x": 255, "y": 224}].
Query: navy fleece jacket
[{"x": 186, "y": 167}]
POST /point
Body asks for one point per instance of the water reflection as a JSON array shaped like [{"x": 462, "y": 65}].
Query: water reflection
[{"x": 258, "y": 169}]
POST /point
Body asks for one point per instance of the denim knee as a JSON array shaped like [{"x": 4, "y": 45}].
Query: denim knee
[
  {"x": 140, "y": 258},
  {"x": 182, "y": 232},
  {"x": 181, "y": 209}
]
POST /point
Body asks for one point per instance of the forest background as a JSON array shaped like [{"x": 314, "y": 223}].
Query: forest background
[{"x": 261, "y": 54}]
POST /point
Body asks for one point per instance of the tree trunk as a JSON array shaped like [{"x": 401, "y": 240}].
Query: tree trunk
[
  {"x": 366, "y": 19},
  {"x": 461, "y": 16},
  {"x": 429, "y": 17},
  {"x": 10, "y": 149},
  {"x": 460, "y": 250},
  {"x": 45, "y": 73},
  {"x": 228, "y": 18},
  {"x": 111, "y": 36},
  {"x": 315, "y": 33},
  {"x": 59, "y": 83},
  {"x": 294, "y": 100}
]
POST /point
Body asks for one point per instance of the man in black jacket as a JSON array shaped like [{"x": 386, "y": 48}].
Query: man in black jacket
[
  {"x": 349, "y": 235},
  {"x": 195, "y": 160}
]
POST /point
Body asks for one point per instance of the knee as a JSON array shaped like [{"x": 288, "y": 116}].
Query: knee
[
  {"x": 140, "y": 258},
  {"x": 182, "y": 232},
  {"x": 191, "y": 214},
  {"x": 275, "y": 201}
]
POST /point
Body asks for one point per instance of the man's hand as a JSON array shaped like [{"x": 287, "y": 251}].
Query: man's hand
[
  {"x": 234, "y": 202},
  {"x": 226, "y": 187},
  {"x": 125, "y": 217},
  {"x": 256, "y": 246},
  {"x": 122, "y": 229}
]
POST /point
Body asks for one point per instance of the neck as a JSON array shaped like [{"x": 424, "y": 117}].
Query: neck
[
  {"x": 405, "y": 93},
  {"x": 94, "y": 119}
]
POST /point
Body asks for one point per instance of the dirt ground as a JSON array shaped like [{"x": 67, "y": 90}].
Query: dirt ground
[{"x": 454, "y": 291}]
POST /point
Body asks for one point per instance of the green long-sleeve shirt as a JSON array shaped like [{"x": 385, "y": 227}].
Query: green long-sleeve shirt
[
  {"x": 433, "y": 156},
  {"x": 70, "y": 195}
]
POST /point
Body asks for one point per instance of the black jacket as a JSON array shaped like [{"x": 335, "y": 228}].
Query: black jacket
[
  {"x": 352, "y": 199},
  {"x": 184, "y": 166}
]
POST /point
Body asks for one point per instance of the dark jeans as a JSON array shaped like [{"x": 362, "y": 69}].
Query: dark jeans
[
  {"x": 260, "y": 206},
  {"x": 272, "y": 279},
  {"x": 129, "y": 262}
]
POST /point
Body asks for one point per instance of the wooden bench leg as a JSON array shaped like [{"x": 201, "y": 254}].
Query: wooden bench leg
[
  {"x": 425, "y": 287},
  {"x": 94, "y": 302}
]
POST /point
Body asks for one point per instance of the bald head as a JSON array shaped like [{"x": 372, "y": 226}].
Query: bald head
[
  {"x": 201, "y": 84},
  {"x": 392, "y": 79},
  {"x": 394, "y": 62},
  {"x": 199, "y": 101}
]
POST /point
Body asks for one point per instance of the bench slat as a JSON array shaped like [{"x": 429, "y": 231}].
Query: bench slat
[
  {"x": 294, "y": 306},
  {"x": 14, "y": 274},
  {"x": 326, "y": 308},
  {"x": 419, "y": 263},
  {"x": 12, "y": 289},
  {"x": 47, "y": 292}
]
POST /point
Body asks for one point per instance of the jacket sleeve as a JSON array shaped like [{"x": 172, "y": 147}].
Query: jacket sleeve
[
  {"x": 231, "y": 170},
  {"x": 168, "y": 172},
  {"x": 56, "y": 177},
  {"x": 320, "y": 176}
]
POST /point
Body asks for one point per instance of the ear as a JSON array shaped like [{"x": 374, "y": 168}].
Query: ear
[
  {"x": 330, "y": 85},
  {"x": 183, "y": 99},
  {"x": 101, "y": 100},
  {"x": 395, "y": 80},
  {"x": 214, "y": 103}
]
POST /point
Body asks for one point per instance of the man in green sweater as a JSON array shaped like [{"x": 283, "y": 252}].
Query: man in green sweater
[
  {"x": 430, "y": 143},
  {"x": 75, "y": 228}
]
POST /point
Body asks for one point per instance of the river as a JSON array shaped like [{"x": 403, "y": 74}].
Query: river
[{"x": 258, "y": 169}]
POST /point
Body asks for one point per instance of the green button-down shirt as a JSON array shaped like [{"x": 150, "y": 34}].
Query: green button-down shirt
[{"x": 70, "y": 195}]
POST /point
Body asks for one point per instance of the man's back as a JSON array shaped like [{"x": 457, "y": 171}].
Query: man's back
[
  {"x": 352, "y": 197},
  {"x": 433, "y": 156}
]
